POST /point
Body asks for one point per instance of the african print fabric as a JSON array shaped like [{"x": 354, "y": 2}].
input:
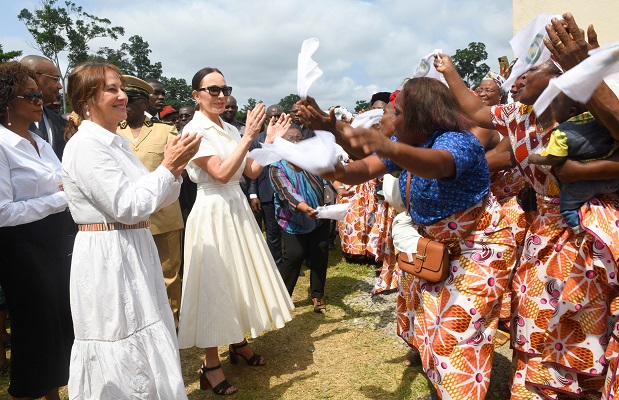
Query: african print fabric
[
  {"x": 561, "y": 289},
  {"x": 452, "y": 323},
  {"x": 360, "y": 217},
  {"x": 380, "y": 246}
]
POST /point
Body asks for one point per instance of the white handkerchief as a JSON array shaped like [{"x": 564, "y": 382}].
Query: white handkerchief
[
  {"x": 334, "y": 211},
  {"x": 405, "y": 235},
  {"x": 308, "y": 70},
  {"x": 316, "y": 155},
  {"x": 426, "y": 67},
  {"x": 367, "y": 119},
  {"x": 580, "y": 82},
  {"x": 528, "y": 46}
]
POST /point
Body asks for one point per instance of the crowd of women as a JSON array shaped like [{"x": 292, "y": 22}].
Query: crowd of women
[{"x": 97, "y": 316}]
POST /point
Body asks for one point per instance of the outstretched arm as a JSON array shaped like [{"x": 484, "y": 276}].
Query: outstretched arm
[
  {"x": 471, "y": 104},
  {"x": 568, "y": 46}
]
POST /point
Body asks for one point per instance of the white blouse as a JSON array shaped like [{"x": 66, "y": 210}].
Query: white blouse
[
  {"x": 29, "y": 182},
  {"x": 106, "y": 182}
]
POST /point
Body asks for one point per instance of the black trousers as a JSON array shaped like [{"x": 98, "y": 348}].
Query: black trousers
[
  {"x": 312, "y": 246},
  {"x": 274, "y": 232}
]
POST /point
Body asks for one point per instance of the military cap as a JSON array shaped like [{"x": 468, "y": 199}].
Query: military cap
[{"x": 135, "y": 86}]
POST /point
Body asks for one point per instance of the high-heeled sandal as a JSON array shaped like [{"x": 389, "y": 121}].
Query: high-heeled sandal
[
  {"x": 222, "y": 387},
  {"x": 253, "y": 361},
  {"x": 319, "y": 305}
]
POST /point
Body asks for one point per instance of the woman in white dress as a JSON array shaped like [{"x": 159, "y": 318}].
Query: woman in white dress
[
  {"x": 231, "y": 285},
  {"x": 125, "y": 344}
]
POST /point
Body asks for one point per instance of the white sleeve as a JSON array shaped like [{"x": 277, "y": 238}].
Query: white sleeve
[
  {"x": 22, "y": 212},
  {"x": 101, "y": 178}
]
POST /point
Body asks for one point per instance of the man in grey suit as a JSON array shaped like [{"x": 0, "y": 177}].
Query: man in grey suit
[{"x": 51, "y": 127}]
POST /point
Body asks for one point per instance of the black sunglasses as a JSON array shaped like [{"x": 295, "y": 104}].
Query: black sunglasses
[
  {"x": 184, "y": 116},
  {"x": 215, "y": 90},
  {"x": 32, "y": 97}
]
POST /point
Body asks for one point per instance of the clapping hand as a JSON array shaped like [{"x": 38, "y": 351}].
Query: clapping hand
[
  {"x": 179, "y": 151},
  {"x": 277, "y": 127},
  {"x": 255, "y": 121}
]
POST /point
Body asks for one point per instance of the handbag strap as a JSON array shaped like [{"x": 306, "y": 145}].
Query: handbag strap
[{"x": 473, "y": 225}]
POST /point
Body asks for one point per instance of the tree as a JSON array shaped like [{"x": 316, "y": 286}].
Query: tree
[
  {"x": 56, "y": 29},
  {"x": 469, "y": 63},
  {"x": 241, "y": 115},
  {"x": 362, "y": 105},
  {"x": 116, "y": 57},
  {"x": 139, "y": 51},
  {"x": 177, "y": 92},
  {"x": 287, "y": 102},
  {"x": 9, "y": 55}
]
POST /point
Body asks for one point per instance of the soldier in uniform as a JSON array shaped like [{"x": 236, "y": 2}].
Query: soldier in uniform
[{"x": 147, "y": 140}]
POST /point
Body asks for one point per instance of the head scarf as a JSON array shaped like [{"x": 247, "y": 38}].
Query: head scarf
[{"x": 498, "y": 79}]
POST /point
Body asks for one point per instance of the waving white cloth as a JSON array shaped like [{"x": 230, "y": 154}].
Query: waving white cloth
[
  {"x": 528, "y": 46},
  {"x": 333, "y": 211},
  {"x": 308, "y": 70},
  {"x": 316, "y": 155},
  {"x": 367, "y": 119},
  {"x": 426, "y": 67},
  {"x": 580, "y": 82}
]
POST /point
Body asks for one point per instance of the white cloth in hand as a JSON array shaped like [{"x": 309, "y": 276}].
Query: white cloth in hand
[
  {"x": 308, "y": 70},
  {"x": 315, "y": 155},
  {"x": 580, "y": 82},
  {"x": 333, "y": 211}
]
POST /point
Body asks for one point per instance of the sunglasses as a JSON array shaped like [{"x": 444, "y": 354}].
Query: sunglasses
[
  {"x": 215, "y": 90},
  {"x": 185, "y": 116},
  {"x": 33, "y": 97}
]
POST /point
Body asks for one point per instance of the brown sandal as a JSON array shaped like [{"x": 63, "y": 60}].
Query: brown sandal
[{"x": 319, "y": 305}]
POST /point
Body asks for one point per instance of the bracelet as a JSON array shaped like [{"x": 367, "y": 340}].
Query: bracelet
[{"x": 340, "y": 187}]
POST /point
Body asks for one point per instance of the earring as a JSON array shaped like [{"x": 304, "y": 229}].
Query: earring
[
  {"x": 87, "y": 112},
  {"x": 8, "y": 117}
]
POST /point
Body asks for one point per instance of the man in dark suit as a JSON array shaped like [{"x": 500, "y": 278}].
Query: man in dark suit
[
  {"x": 261, "y": 196},
  {"x": 51, "y": 127}
]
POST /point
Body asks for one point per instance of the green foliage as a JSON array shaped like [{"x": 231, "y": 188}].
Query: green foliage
[
  {"x": 56, "y": 28},
  {"x": 469, "y": 63},
  {"x": 362, "y": 105},
  {"x": 132, "y": 58},
  {"x": 9, "y": 55},
  {"x": 241, "y": 115},
  {"x": 287, "y": 102},
  {"x": 177, "y": 92}
]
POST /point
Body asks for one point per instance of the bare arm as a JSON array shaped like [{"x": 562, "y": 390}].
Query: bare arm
[
  {"x": 223, "y": 170},
  {"x": 471, "y": 104},
  {"x": 359, "y": 171},
  {"x": 545, "y": 160},
  {"x": 574, "y": 171},
  {"x": 501, "y": 157}
]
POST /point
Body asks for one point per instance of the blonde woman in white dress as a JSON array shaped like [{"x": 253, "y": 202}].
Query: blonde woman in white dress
[{"x": 231, "y": 285}]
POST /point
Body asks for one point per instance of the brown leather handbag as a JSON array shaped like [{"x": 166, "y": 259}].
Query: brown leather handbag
[{"x": 431, "y": 262}]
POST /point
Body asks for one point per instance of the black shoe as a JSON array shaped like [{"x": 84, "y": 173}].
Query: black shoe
[{"x": 222, "y": 387}]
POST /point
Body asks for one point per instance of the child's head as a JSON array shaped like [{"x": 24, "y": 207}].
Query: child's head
[
  {"x": 565, "y": 108},
  {"x": 293, "y": 134}
]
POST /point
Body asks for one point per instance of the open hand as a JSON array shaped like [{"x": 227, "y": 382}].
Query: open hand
[
  {"x": 311, "y": 115},
  {"x": 567, "y": 41},
  {"x": 255, "y": 121},
  {"x": 277, "y": 127}
]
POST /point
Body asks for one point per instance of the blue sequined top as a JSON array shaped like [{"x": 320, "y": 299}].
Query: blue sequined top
[{"x": 435, "y": 199}]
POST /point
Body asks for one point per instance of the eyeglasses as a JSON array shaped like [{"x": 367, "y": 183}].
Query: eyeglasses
[
  {"x": 54, "y": 77},
  {"x": 184, "y": 116},
  {"x": 487, "y": 91},
  {"x": 215, "y": 90},
  {"x": 33, "y": 97}
]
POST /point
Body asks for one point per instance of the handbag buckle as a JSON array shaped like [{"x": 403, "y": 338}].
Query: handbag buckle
[{"x": 421, "y": 257}]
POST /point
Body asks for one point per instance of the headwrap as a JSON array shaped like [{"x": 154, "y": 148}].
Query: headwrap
[
  {"x": 498, "y": 79},
  {"x": 393, "y": 96}
]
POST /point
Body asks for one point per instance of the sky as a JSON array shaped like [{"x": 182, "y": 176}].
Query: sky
[{"x": 365, "y": 46}]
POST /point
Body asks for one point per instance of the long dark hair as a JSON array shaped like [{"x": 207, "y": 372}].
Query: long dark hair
[{"x": 429, "y": 106}]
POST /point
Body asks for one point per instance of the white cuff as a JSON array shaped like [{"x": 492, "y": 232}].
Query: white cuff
[{"x": 253, "y": 196}]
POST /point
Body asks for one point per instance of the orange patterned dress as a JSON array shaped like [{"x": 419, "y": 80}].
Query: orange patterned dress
[
  {"x": 505, "y": 186},
  {"x": 380, "y": 246},
  {"x": 360, "y": 216},
  {"x": 452, "y": 323},
  {"x": 562, "y": 293}
]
